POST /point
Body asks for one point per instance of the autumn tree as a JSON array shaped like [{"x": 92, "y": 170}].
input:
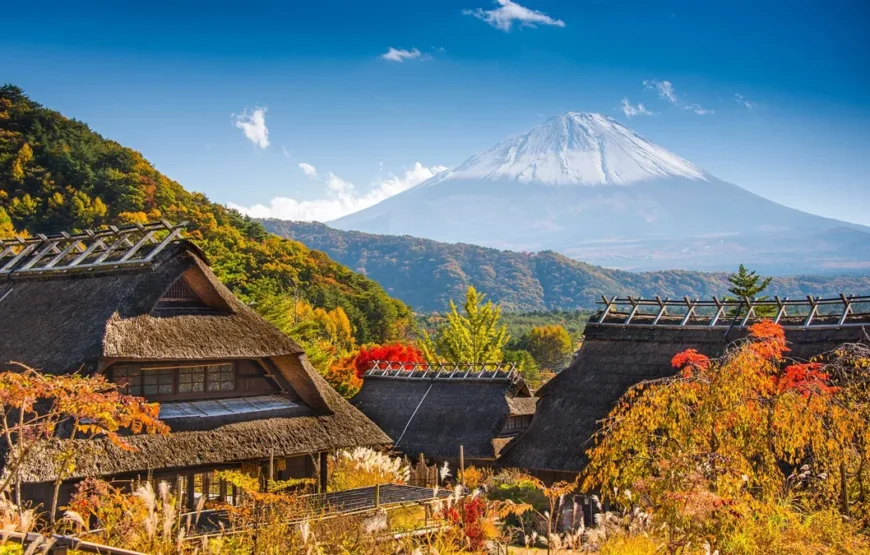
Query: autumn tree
[
  {"x": 389, "y": 353},
  {"x": 474, "y": 336},
  {"x": 550, "y": 345},
  {"x": 726, "y": 442},
  {"x": 36, "y": 408}
]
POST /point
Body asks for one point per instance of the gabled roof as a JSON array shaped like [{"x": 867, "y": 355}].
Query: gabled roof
[
  {"x": 612, "y": 359},
  {"x": 60, "y": 319},
  {"x": 434, "y": 416},
  {"x": 61, "y": 322}
]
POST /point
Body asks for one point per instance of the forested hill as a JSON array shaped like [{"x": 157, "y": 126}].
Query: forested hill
[
  {"x": 58, "y": 175},
  {"x": 426, "y": 274}
]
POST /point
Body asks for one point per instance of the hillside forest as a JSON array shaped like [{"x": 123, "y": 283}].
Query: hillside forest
[{"x": 426, "y": 274}]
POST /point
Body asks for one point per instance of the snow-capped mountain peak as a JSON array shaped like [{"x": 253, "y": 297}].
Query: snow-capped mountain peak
[{"x": 574, "y": 149}]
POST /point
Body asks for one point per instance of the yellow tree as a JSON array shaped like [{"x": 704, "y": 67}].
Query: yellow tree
[
  {"x": 727, "y": 439},
  {"x": 476, "y": 335}
]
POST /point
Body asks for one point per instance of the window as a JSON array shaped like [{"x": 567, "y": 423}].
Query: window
[
  {"x": 184, "y": 381},
  {"x": 191, "y": 380},
  {"x": 159, "y": 382},
  {"x": 516, "y": 423},
  {"x": 129, "y": 379},
  {"x": 221, "y": 377}
]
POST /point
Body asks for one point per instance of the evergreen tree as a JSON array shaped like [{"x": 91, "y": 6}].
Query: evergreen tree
[
  {"x": 748, "y": 284},
  {"x": 745, "y": 284},
  {"x": 526, "y": 365},
  {"x": 477, "y": 335}
]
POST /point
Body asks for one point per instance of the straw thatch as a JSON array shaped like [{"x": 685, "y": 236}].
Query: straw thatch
[
  {"x": 87, "y": 318},
  {"x": 61, "y": 323},
  {"x": 611, "y": 360},
  {"x": 435, "y": 416}
]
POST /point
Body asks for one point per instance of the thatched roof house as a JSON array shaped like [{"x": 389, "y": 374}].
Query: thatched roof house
[
  {"x": 436, "y": 409},
  {"x": 142, "y": 307},
  {"x": 623, "y": 348}
]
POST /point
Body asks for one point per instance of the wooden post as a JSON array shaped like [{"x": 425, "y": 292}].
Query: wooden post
[
  {"x": 272, "y": 465},
  {"x": 377, "y": 496},
  {"x": 323, "y": 472},
  {"x": 462, "y": 465}
]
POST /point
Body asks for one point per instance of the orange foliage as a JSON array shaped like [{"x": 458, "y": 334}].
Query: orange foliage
[{"x": 390, "y": 352}]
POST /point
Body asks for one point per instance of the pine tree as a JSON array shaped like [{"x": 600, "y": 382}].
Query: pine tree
[
  {"x": 745, "y": 284},
  {"x": 476, "y": 336}
]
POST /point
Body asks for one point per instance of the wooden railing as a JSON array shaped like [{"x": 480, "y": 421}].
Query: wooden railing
[
  {"x": 443, "y": 370},
  {"x": 811, "y": 312},
  {"x": 130, "y": 245}
]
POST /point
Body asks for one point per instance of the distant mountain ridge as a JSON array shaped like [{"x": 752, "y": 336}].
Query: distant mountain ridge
[
  {"x": 426, "y": 274},
  {"x": 589, "y": 187}
]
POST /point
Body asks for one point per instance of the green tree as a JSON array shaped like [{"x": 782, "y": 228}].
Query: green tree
[
  {"x": 475, "y": 336},
  {"x": 550, "y": 345},
  {"x": 526, "y": 365},
  {"x": 747, "y": 283}
]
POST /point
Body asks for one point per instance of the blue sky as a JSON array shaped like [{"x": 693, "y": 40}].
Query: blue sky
[{"x": 182, "y": 81}]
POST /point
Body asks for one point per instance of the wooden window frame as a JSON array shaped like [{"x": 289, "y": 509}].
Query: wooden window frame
[{"x": 142, "y": 369}]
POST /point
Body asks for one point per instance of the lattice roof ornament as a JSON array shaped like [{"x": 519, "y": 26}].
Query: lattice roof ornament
[
  {"x": 113, "y": 247},
  {"x": 811, "y": 312},
  {"x": 443, "y": 370}
]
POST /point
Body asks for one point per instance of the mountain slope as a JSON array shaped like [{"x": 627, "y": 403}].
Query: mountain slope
[
  {"x": 427, "y": 274},
  {"x": 58, "y": 175},
  {"x": 588, "y": 187}
]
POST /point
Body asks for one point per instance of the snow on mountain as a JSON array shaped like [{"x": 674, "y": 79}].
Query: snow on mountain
[
  {"x": 589, "y": 187},
  {"x": 574, "y": 149}
]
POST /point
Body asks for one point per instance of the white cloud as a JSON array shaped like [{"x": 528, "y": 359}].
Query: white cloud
[
  {"x": 665, "y": 89},
  {"x": 698, "y": 109},
  {"x": 508, "y": 12},
  {"x": 308, "y": 170},
  {"x": 253, "y": 125},
  {"x": 399, "y": 55},
  {"x": 667, "y": 92},
  {"x": 634, "y": 110},
  {"x": 285, "y": 151},
  {"x": 740, "y": 99},
  {"x": 340, "y": 197}
]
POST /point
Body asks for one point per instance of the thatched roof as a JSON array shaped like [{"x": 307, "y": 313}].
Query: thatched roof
[
  {"x": 59, "y": 322},
  {"x": 611, "y": 360},
  {"x": 436, "y": 416},
  {"x": 65, "y": 322},
  {"x": 219, "y": 440}
]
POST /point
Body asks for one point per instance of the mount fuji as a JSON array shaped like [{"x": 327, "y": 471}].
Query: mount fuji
[{"x": 591, "y": 188}]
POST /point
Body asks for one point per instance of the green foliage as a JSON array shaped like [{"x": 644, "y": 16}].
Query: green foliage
[
  {"x": 427, "y": 274},
  {"x": 475, "y": 336},
  {"x": 58, "y": 175},
  {"x": 746, "y": 284},
  {"x": 526, "y": 365},
  {"x": 551, "y": 346}
]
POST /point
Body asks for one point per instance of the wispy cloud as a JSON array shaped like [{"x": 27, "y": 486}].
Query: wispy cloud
[
  {"x": 667, "y": 92},
  {"x": 399, "y": 55},
  {"x": 308, "y": 170},
  {"x": 632, "y": 110},
  {"x": 285, "y": 152},
  {"x": 253, "y": 125},
  {"x": 743, "y": 101},
  {"x": 340, "y": 197},
  {"x": 665, "y": 89},
  {"x": 698, "y": 109},
  {"x": 508, "y": 12}
]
